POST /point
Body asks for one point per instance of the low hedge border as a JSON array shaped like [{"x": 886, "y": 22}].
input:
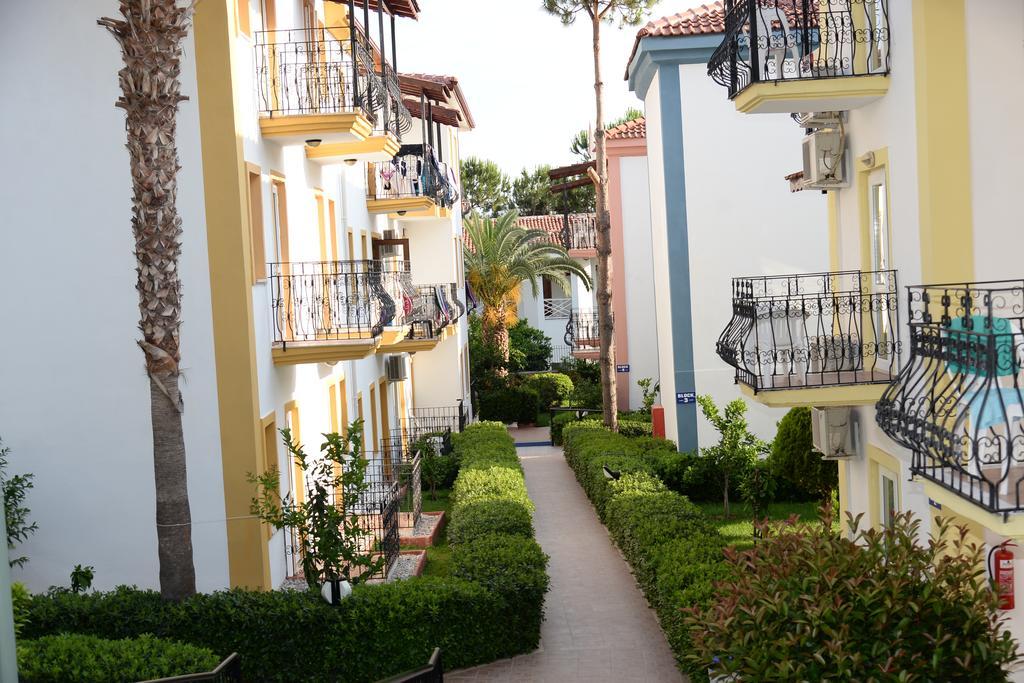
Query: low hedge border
[
  {"x": 627, "y": 426},
  {"x": 490, "y": 608},
  {"x": 675, "y": 552}
]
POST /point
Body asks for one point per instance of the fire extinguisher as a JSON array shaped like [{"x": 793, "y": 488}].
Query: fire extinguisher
[{"x": 1002, "y": 572}]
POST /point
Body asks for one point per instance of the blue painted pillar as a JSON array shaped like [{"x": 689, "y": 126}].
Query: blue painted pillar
[{"x": 679, "y": 254}]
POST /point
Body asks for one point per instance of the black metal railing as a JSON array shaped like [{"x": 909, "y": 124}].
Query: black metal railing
[
  {"x": 414, "y": 172},
  {"x": 581, "y": 235},
  {"x": 583, "y": 331},
  {"x": 959, "y": 402},
  {"x": 378, "y": 508},
  {"x": 308, "y": 71},
  {"x": 776, "y": 40},
  {"x": 437, "y": 307},
  {"x": 813, "y": 330},
  {"x": 392, "y": 116},
  {"x": 228, "y": 671},
  {"x": 439, "y": 419},
  {"x": 338, "y": 300},
  {"x": 559, "y": 355}
]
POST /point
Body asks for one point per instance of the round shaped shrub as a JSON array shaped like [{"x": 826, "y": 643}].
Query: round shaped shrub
[
  {"x": 481, "y": 518},
  {"x": 794, "y": 459},
  {"x": 77, "y": 658},
  {"x": 552, "y": 387}
]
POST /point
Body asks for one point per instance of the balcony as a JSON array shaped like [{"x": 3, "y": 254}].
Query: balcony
[
  {"x": 412, "y": 185},
  {"x": 582, "y": 334},
  {"x": 326, "y": 93},
  {"x": 785, "y": 56},
  {"x": 325, "y": 312},
  {"x": 557, "y": 309},
  {"x": 434, "y": 310},
  {"x": 821, "y": 339},
  {"x": 959, "y": 403}
]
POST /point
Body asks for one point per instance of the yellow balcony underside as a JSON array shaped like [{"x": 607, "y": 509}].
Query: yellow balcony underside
[
  {"x": 405, "y": 205},
  {"x": 432, "y": 213},
  {"x": 413, "y": 345},
  {"x": 297, "y": 353},
  {"x": 818, "y": 397},
  {"x": 811, "y": 94},
  {"x": 391, "y": 337},
  {"x": 374, "y": 148},
  {"x": 1012, "y": 527},
  {"x": 329, "y": 128}
]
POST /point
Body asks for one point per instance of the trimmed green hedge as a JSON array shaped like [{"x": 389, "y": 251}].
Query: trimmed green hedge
[
  {"x": 552, "y": 387},
  {"x": 481, "y": 613},
  {"x": 676, "y": 553},
  {"x": 627, "y": 427},
  {"x": 76, "y": 658}
]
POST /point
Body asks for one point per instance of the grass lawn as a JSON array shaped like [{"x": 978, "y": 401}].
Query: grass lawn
[
  {"x": 738, "y": 530},
  {"x": 438, "y": 556}
]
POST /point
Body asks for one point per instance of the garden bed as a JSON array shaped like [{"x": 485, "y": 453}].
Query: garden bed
[{"x": 427, "y": 531}]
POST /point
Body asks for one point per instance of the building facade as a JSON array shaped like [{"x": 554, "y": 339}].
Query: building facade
[
  {"x": 713, "y": 209},
  {"x": 910, "y": 127},
  {"x": 321, "y": 268}
]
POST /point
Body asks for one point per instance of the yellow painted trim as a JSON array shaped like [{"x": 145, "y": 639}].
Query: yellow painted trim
[
  {"x": 436, "y": 212},
  {"x": 407, "y": 204},
  {"x": 961, "y": 507},
  {"x": 348, "y": 123},
  {"x": 943, "y": 141},
  {"x": 877, "y": 457},
  {"x": 229, "y": 252},
  {"x": 807, "y": 94},
  {"x": 392, "y": 336},
  {"x": 323, "y": 352},
  {"x": 377, "y": 146},
  {"x": 833, "y": 232},
  {"x": 821, "y": 397},
  {"x": 411, "y": 345}
]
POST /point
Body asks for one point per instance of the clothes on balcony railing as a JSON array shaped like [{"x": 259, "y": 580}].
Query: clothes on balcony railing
[
  {"x": 959, "y": 402},
  {"x": 414, "y": 172}
]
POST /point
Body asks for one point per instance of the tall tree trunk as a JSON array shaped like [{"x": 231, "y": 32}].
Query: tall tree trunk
[
  {"x": 150, "y": 35},
  {"x": 495, "y": 332},
  {"x": 606, "y": 325}
]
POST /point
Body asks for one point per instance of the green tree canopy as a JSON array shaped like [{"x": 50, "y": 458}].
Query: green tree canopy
[
  {"x": 580, "y": 145},
  {"x": 485, "y": 188},
  {"x": 531, "y": 195}
]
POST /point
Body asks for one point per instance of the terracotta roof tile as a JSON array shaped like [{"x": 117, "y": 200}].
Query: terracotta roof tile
[
  {"x": 707, "y": 19},
  {"x": 630, "y": 130}
]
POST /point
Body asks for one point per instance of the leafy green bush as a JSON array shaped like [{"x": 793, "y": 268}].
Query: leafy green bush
[
  {"x": 20, "y": 600},
  {"x": 76, "y": 658},
  {"x": 581, "y": 370},
  {"x": 586, "y": 394},
  {"x": 558, "y": 423},
  {"x": 485, "y": 517},
  {"x": 807, "y": 604},
  {"x": 529, "y": 348},
  {"x": 635, "y": 428},
  {"x": 510, "y": 404},
  {"x": 758, "y": 488},
  {"x": 511, "y": 567},
  {"x": 552, "y": 387},
  {"x": 794, "y": 459},
  {"x": 438, "y": 471},
  {"x": 484, "y": 612}
]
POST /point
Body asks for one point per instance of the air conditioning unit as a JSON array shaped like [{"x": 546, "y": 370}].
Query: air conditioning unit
[
  {"x": 832, "y": 433},
  {"x": 394, "y": 368},
  {"x": 825, "y": 160}
]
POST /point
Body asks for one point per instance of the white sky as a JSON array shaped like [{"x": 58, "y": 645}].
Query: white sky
[{"x": 528, "y": 79}]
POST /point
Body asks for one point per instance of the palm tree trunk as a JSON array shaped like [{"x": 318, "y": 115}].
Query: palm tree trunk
[
  {"x": 496, "y": 333},
  {"x": 606, "y": 325},
  {"x": 150, "y": 35}
]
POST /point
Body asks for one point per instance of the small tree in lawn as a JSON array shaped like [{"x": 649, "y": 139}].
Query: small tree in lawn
[
  {"x": 329, "y": 522},
  {"x": 627, "y": 12},
  {"x": 737, "y": 449}
]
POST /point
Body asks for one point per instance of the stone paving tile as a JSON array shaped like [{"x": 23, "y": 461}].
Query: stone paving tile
[{"x": 597, "y": 625}]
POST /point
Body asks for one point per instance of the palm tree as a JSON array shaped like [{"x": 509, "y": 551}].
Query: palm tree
[
  {"x": 501, "y": 256},
  {"x": 628, "y": 13},
  {"x": 150, "y": 35}
]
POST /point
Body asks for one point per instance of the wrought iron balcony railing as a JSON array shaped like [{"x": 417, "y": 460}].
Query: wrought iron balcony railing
[
  {"x": 581, "y": 235},
  {"x": 557, "y": 309},
  {"x": 815, "y": 330},
  {"x": 583, "y": 331},
  {"x": 440, "y": 419},
  {"x": 436, "y": 307},
  {"x": 959, "y": 403},
  {"x": 337, "y": 300},
  {"x": 776, "y": 40},
  {"x": 414, "y": 172}
]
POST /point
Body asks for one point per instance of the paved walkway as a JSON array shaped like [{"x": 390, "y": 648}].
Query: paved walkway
[{"x": 597, "y": 624}]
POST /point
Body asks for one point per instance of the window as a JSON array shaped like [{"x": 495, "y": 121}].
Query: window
[
  {"x": 888, "y": 497},
  {"x": 258, "y": 248},
  {"x": 280, "y": 215}
]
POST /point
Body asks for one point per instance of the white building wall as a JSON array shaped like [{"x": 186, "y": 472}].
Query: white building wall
[
  {"x": 74, "y": 397},
  {"x": 641, "y": 314},
  {"x": 741, "y": 221}
]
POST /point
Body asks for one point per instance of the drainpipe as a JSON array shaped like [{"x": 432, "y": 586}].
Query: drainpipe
[{"x": 8, "y": 651}]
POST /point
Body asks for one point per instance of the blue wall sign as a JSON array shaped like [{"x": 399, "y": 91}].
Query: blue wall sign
[
  {"x": 935, "y": 504},
  {"x": 621, "y": 368},
  {"x": 686, "y": 397}
]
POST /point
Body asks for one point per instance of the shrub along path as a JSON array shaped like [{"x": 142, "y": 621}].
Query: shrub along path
[{"x": 597, "y": 624}]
